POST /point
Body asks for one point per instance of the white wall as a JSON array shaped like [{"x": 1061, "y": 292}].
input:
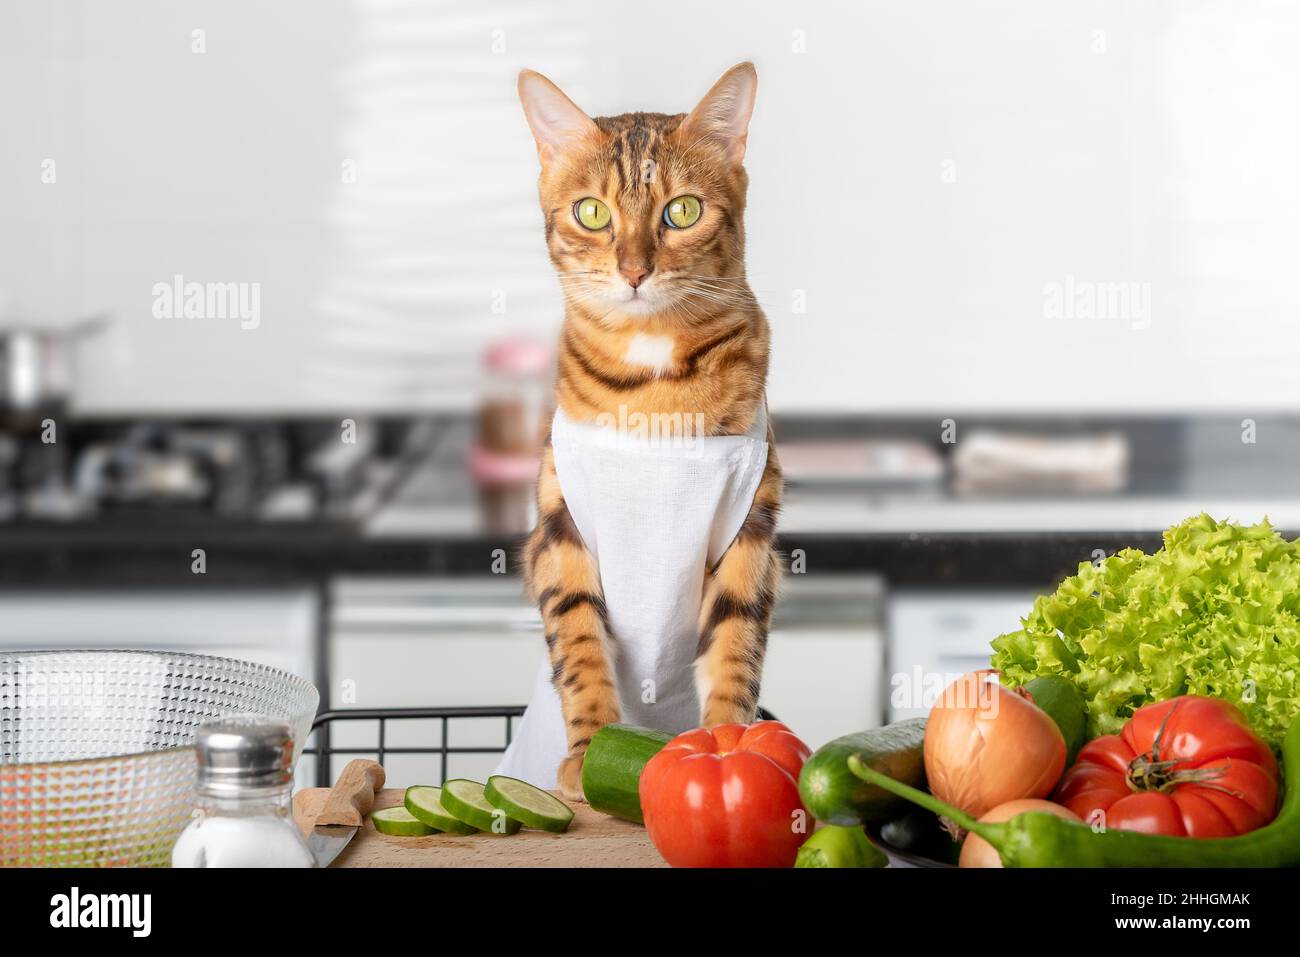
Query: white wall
[
  {"x": 921, "y": 172},
  {"x": 215, "y": 166}
]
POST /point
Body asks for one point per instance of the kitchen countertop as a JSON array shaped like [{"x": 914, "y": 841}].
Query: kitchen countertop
[
  {"x": 94, "y": 555},
  {"x": 592, "y": 840}
]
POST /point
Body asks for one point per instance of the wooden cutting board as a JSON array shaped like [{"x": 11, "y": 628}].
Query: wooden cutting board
[{"x": 592, "y": 840}]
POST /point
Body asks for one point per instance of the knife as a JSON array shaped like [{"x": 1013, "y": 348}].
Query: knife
[{"x": 345, "y": 810}]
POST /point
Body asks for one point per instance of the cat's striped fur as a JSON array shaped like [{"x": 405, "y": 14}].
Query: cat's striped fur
[{"x": 691, "y": 342}]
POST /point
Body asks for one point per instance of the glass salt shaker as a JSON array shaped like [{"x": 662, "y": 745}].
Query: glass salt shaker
[{"x": 244, "y": 817}]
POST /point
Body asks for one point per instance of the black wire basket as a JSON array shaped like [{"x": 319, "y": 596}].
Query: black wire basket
[{"x": 321, "y": 747}]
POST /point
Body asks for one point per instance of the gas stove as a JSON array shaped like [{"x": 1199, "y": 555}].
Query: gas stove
[{"x": 250, "y": 469}]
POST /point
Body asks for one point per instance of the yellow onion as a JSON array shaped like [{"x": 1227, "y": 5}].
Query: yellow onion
[
  {"x": 977, "y": 852},
  {"x": 985, "y": 745}
]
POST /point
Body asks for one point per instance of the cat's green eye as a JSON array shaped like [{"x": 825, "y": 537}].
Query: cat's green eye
[
  {"x": 591, "y": 212},
  {"x": 682, "y": 212}
]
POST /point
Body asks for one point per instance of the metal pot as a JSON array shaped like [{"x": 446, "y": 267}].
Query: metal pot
[{"x": 37, "y": 364}]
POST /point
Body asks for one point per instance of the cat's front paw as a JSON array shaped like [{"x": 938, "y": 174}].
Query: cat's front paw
[
  {"x": 569, "y": 778},
  {"x": 726, "y": 712}
]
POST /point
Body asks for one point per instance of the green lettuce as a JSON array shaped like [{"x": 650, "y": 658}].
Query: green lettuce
[{"x": 1213, "y": 612}]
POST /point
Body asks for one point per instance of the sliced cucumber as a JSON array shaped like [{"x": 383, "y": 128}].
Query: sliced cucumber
[
  {"x": 398, "y": 822},
  {"x": 425, "y": 804},
  {"x": 467, "y": 802},
  {"x": 529, "y": 805}
]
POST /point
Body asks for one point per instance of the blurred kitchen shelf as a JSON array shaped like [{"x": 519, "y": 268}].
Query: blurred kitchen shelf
[{"x": 854, "y": 515}]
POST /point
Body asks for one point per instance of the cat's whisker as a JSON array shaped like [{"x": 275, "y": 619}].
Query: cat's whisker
[
  {"x": 720, "y": 297},
  {"x": 710, "y": 285},
  {"x": 691, "y": 311},
  {"x": 733, "y": 279},
  {"x": 578, "y": 296},
  {"x": 713, "y": 282},
  {"x": 712, "y": 292}
]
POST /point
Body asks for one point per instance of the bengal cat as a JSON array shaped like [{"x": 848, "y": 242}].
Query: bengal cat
[{"x": 644, "y": 223}]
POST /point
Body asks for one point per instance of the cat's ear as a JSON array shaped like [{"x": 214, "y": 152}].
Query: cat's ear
[
  {"x": 555, "y": 120},
  {"x": 723, "y": 114}
]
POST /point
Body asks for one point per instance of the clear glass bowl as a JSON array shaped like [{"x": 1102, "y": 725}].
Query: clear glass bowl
[{"x": 97, "y": 763}]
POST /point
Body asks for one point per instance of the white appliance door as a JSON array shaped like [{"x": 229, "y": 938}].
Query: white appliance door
[{"x": 936, "y": 635}]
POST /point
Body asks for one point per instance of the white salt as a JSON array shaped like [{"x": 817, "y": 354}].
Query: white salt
[{"x": 234, "y": 841}]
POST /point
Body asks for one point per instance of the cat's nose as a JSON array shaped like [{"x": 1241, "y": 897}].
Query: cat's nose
[{"x": 635, "y": 275}]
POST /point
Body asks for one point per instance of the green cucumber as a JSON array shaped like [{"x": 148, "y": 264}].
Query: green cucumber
[
  {"x": 424, "y": 802},
  {"x": 611, "y": 771},
  {"x": 833, "y": 794},
  {"x": 466, "y": 802},
  {"x": 398, "y": 822},
  {"x": 529, "y": 805},
  {"x": 1061, "y": 699}
]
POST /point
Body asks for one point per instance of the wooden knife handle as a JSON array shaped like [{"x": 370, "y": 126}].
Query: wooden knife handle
[{"x": 353, "y": 794}]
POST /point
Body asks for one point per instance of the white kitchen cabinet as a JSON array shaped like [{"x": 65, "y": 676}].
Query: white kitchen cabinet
[
  {"x": 825, "y": 682},
  {"x": 435, "y": 642},
  {"x": 271, "y": 626},
  {"x": 824, "y": 674},
  {"x": 937, "y": 634}
]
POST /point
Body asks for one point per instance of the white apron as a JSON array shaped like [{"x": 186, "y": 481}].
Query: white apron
[{"x": 656, "y": 513}]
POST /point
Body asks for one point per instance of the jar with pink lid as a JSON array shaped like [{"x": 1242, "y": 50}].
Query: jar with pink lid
[{"x": 514, "y": 416}]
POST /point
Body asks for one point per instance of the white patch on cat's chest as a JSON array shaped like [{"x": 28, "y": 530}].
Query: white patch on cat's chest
[{"x": 653, "y": 351}]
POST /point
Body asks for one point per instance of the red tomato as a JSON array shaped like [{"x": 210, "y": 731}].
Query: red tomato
[
  {"x": 1187, "y": 767},
  {"x": 727, "y": 796}
]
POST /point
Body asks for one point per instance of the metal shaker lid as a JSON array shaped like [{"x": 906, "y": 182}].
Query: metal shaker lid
[{"x": 243, "y": 752}]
